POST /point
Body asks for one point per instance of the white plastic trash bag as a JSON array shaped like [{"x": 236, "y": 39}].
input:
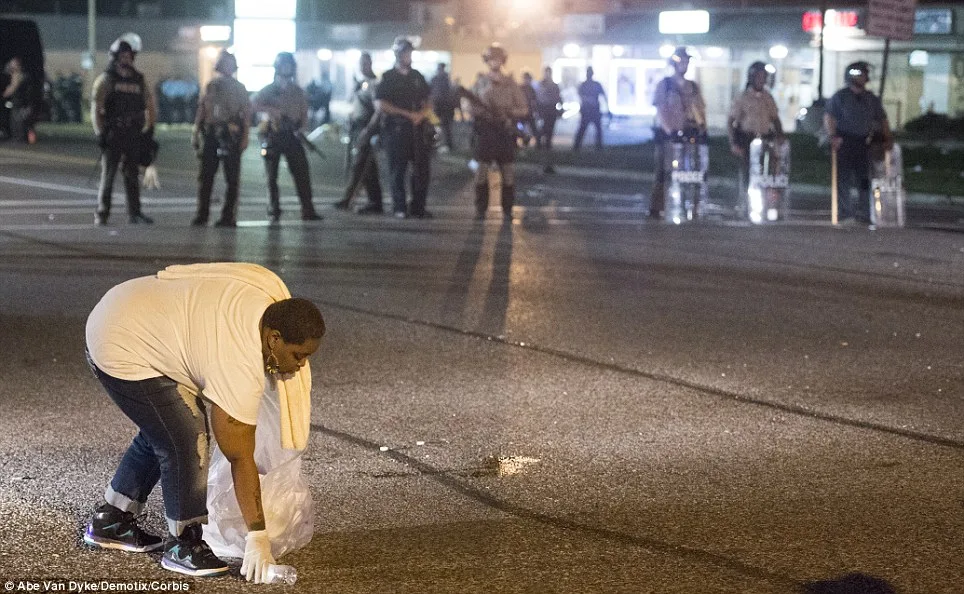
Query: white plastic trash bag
[{"x": 288, "y": 508}]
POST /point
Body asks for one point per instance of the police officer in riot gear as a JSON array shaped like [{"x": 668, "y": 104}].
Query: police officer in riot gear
[
  {"x": 856, "y": 124},
  {"x": 220, "y": 136},
  {"x": 500, "y": 105},
  {"x": 123, "y": 113},
  {"x": 402, "y": 98},
  {"x": 754, "y": 114},
  {"x": 680, "y": 113},
  {"x": 284, "y": 106},
  {"x": 363, "y": 125}
]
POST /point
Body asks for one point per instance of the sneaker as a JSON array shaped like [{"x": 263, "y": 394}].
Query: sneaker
[
  {"x": 401, "y": 214},
  {"x": 226, "y": 223},
  {"x": 190, "y": 555},
  {"x": 100, "y": 219},
  {"x": 343, "y": 204},
  {"x": 274, "y": 218},
  {"x": 199, "y": 222},
  {"x": 112, "y": 528},
  {"x": 423, "y": 215},
  {"x": 140, "y": 219},
  {"x": 370, "y": 209},
  {"x": 312, "y": 216}
]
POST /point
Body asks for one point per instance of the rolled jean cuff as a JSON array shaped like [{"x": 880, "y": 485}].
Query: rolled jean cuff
[
  {"x": 177, "y": 526},
  {"x": 123, "y": 502}
]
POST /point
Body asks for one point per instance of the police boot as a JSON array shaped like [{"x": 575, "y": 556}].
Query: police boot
[
  {"x": 481, "y": 201},
  {"x": 508, "y": 200}
]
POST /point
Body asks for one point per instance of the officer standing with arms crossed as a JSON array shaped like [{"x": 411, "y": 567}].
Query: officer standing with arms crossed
[
  {"x": 362, "y": 126},
  {"x": 402, "y": 97},
  {"x": 285, "y": 106},
  {"x": 221, "y": 135},
  {"x": 855, "y": 121},
  {"x": 123, "y": 113},
  {"x": 494, "y": 126}
]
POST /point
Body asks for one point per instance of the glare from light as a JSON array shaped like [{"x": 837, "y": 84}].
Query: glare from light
[
  {"x": 770, "y": 68},
  {"x": 256, "y": 44},
  {"x": 211, "y": 51},
  {"x": 666, "y": 50},
  {"x": 673, "y": 22},
  {"x": 449, "y": 21},
  {"x": 714, "y": 52},
  {"x": 919, "y": 58},
  {"x": 259, "y": 9},
  {"x": 353, "y": 55},
  {"x": 524, "y": 6},
  {"x": 211, "y": 33},
  {"x": 571, "y": 50},
  {"x": 325, "y": 54},
  {"x": 779, "y": 52},
  {"x": 618, "y": 51}
]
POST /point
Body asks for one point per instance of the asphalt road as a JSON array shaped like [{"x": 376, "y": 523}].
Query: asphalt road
[{"x": 709, "y": 408}]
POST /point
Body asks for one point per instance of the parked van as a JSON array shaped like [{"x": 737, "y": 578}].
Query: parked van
[{"x": 20, "y": 38}]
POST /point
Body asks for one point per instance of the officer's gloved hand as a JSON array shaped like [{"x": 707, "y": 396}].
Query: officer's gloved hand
[{"x": 257, "y": 556}]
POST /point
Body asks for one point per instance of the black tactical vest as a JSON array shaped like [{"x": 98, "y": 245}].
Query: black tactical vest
[{"x": 125, "y": 102}]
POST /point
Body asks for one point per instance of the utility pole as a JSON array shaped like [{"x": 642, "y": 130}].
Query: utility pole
[{"x": 91, "y": 58}]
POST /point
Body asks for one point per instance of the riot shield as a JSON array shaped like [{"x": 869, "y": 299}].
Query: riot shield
[
  {"x": 887, "y": 190},
  {"x": 768, "y": 191},
  {"x": 686, "y": 161}
]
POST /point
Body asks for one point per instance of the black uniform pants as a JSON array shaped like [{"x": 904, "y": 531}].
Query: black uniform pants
[
  {"x": 294, "y": 155},
  {"x": 402, "y": 148},
  {"x": 112, "y": 157},
  {"x": 205, "y": 180},
  {"x": 585, "y": 119},
  {"x": 853, "y": 170},
  {"x": 547, "y": 130}
]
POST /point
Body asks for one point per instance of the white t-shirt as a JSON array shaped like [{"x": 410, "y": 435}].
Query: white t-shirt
[{"x": 200, "y": 332}]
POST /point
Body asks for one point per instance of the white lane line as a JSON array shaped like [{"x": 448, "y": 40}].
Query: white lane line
[{"x": 31, "y": 183}]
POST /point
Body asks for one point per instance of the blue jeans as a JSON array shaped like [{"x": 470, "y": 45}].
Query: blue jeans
[{"x": 171, "y": 447}]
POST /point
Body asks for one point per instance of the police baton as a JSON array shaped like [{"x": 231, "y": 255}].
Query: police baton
[
  {"x": 311, "y": 146},
  {"x": 833, "y": 186}
]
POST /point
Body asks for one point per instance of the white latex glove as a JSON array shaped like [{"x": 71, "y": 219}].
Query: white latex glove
[
  {"x": 151, "y": 181},
  {"x": 257, "y": 556}
]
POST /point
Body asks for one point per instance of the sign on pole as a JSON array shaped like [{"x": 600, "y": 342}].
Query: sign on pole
[{"x": 891, "y": 19}]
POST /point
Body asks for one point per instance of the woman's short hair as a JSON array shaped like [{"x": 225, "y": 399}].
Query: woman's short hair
[{"x": 296, "y": 319}]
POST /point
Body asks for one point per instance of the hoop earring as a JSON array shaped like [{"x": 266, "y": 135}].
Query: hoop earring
[{"x": 271, "y": 364}]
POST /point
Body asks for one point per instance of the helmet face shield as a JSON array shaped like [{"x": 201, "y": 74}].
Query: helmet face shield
[{"x": 855, "y": 70}]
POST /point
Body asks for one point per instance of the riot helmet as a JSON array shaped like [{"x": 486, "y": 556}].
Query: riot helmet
[
  {"x": 680, "y": 54},
  {"x": 285, "y": 65},
  {"x": 495, "y": 51},
  {"x": 226, "y": 63},
  {"x": 401, "y": 45},
  {"x": 128, "y": 42},
  {"x": 759, "y": 67},
  {"x": 854, "y": 70}
]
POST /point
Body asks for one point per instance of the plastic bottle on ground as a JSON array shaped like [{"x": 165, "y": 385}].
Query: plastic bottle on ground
[{"x": 282, "y": 574}]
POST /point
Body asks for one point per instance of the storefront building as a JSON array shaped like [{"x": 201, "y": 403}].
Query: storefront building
[{"x": 627, "y": 50}]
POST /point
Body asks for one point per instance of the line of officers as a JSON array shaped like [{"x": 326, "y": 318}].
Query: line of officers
[{"x": 396, "y": 114}]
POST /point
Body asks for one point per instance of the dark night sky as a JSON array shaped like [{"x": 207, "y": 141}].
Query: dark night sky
[{"x": 335, "y": 10}]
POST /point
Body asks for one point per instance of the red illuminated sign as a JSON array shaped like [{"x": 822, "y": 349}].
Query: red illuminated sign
[{"x": 845, "y": 19}]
